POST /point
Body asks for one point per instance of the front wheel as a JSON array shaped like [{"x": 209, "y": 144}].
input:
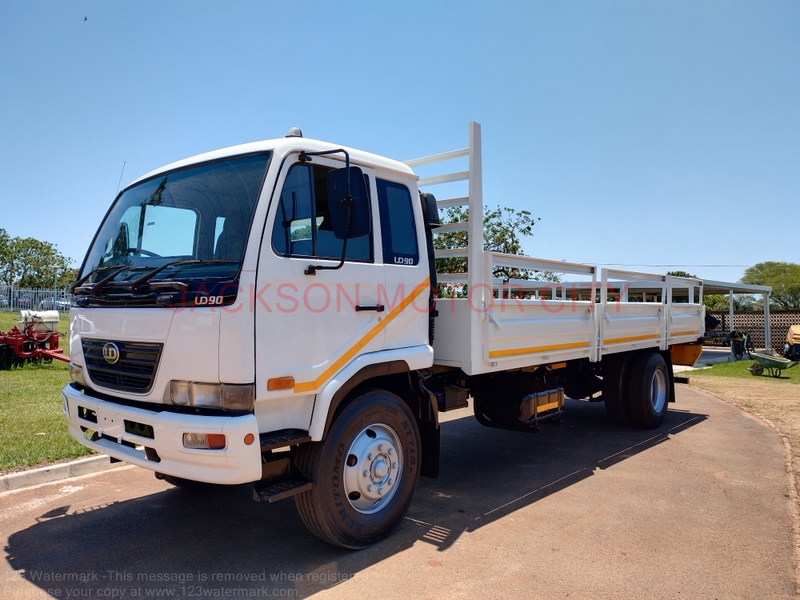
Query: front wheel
[{"x": 363, "y": 474}]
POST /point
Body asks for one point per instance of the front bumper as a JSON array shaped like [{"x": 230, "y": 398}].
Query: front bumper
[{"x": 236, "y": 463}]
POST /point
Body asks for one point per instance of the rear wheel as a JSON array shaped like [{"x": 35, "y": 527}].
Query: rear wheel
[
  {"x": 496, "y": 400},
  {"x": 649, "y": 390},
  {"x": 491, "y": 413},
  {"x": 363, "y": 474}
]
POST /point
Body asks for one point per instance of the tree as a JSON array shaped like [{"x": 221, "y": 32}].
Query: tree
[
  {"x": 783, "y": 277},
  {"x": 681, "y": 274},
  {"x": 503, "y": 230},
  {"x": 5, "y": 255},
  {"x": 28, "y": 262},
  {"x": 720, "y": 302}
]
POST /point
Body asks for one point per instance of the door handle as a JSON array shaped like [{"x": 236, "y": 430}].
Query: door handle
[{"x": 376, "y": 308}]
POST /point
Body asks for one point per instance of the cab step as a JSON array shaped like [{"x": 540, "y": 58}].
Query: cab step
[
  {"x": 278, "y": 490},
  {"x": 281, "y": 438}
]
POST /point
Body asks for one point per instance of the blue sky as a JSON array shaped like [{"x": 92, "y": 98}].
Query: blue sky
[{"x": 641, "y": 133}]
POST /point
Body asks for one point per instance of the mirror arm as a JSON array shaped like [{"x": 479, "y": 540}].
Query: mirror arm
[
  {"x": 304, "y": 158},
  {"x": 312, "y": 269},
  {"x": 348, "y": 199}
]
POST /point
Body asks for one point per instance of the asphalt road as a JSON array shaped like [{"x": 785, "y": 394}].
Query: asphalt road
[{"x": 696, "y": 509}]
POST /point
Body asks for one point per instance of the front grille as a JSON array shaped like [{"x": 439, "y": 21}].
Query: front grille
[{"x": 134, "y": 370}]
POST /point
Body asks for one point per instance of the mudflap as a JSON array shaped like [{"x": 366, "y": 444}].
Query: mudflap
[
  {"x": 668, "y": 359},
  {"x": 431, "y": 444}
]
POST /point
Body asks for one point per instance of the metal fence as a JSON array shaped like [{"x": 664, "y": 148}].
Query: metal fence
[{"x": 14, "y": 299}]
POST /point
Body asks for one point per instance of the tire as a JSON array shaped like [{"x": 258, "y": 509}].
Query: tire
[
  {"x": 489, "y": 413},
  {"x": 615, "y": 391},
  {"x": 649, "y": 390},
  {"x": 499, "y": 408},
  {"x": 756, "y": 369},
  {"x": 480, "y": 413},
  {"x": 363, "y": 474}
]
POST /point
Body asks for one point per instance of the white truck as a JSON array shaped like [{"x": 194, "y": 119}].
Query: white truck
[{"x": 267, "y": 314}]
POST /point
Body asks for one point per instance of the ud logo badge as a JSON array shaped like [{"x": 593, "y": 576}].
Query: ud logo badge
[{"x": 111, "y": 353}]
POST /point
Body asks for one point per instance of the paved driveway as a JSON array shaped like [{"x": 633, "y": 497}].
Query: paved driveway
[{"x": 697, "y": 509}]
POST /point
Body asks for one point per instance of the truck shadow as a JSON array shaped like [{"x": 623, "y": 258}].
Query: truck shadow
[
  {"x": 184, "y": 543},
  {"x": 511, "y": 470}
]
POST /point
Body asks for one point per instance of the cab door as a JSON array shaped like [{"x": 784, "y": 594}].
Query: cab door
[
  {"x": 308, "y": 326},
  {"x": 408, "y": 290}
]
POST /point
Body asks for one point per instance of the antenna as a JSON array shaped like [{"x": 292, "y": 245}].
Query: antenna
[{"x": 120, "y": 175}]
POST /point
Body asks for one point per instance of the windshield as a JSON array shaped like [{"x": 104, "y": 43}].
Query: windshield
[{"x": 198, "y": 214}]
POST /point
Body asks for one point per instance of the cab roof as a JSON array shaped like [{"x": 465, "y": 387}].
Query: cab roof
[{"x": 282, "y": 147}]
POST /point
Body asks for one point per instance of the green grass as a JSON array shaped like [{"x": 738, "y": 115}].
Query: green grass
[
  {"x": 32, "y": 427},
  {"x": 9, "y": 319},
  {"x": 739, "y": 369}
]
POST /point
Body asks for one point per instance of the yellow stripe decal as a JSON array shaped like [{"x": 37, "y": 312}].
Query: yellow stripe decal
[
  {"x": 677, "y": 333},
  {"x": 308, "y": 386},
  {"x": 536, "y": 349},
  {"x": 633, "y": 338}
]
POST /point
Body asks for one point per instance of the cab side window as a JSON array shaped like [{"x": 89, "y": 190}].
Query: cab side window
[
  {"x": 303, "y": 223},
  {"x": 397, "y": 224}
]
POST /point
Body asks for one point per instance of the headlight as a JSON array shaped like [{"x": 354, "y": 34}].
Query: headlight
[
  {"x": 225, "y": 396},
  {"x": 76, "y": 373}
]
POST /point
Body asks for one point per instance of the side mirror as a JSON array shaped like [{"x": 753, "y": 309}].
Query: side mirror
[
  {"x": 430, "y": 212},
  {"x": 354, "y": 209}
]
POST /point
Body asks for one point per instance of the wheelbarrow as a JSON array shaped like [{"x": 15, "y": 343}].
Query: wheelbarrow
[{"x": 773, "y": 364}]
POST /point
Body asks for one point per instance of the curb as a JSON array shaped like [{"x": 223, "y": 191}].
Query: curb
[{"x": 83, "y": 466}]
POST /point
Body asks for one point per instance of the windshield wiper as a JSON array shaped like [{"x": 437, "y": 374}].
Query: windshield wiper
[
  {"x": 80, "y": 281},
  {"x": 135, "y": 285},
  {"x": 96, "y": 287}
]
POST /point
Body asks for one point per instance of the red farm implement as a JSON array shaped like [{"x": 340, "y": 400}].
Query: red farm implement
[{"x": 34, "y": 339}]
